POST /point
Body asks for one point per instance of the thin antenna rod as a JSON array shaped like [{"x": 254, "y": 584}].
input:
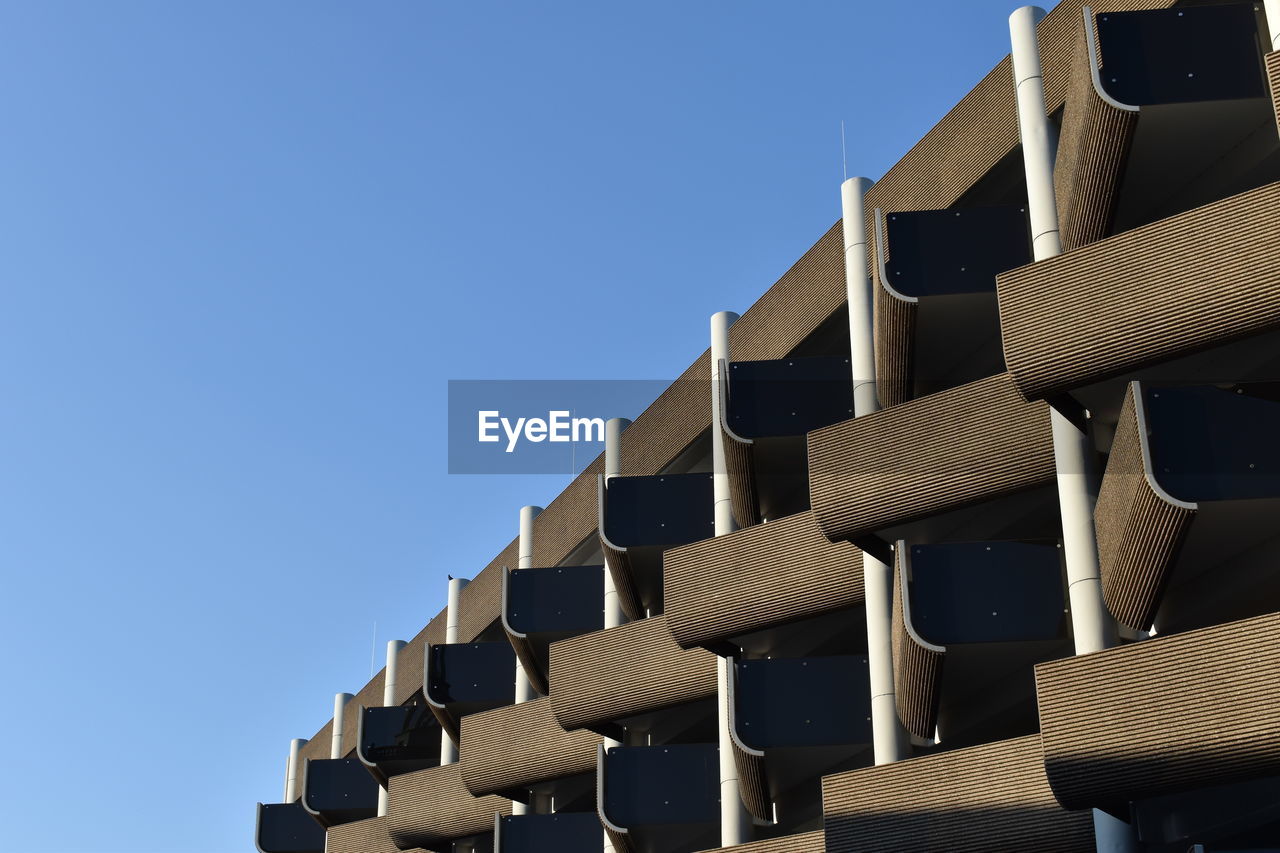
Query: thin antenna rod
[
  {"x": 844, "y": 155},
  {"x": 373, "y": 647}
]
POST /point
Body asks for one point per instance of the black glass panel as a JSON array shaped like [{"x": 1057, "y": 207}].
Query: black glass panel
[
  {"x": 287, "y": 828},
  {"x": 820, "y": 701},
  {"x": 341, "y": 789},
  {"x": 987, "y": 592},
  {"x": 1215, "y": 443},
  {"x": 788, "y": 396},
  {"x": 400, "y": 733},
  {"x": 570, "y": 832},
  {"x": 562, "y": 600},
  {"x": 663, "y": 509},
  {"x": 649, "y": 785},
  {"x": 472, "y": 674},
  {"x": 940, "y": 252},
  {"x": 1239, "y": 816},
  {"x": 1189, "y": 53}
]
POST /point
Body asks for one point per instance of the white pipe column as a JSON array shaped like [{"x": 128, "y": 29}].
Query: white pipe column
[
  {"x": 291, "y": 769},
  {"x": 340, "y": 701},
  {"x": 524, "y": 560},
  {"x": 449, "y": 749},
  {"x": 888, "y": 737},
  {"x": 389, "y": 679},
  {"x": 735, "y": 822},
  {"x": 1091, "y": 624},
  {"x": 1272, "y": 8},
  {"x": 613, "y": 615}
]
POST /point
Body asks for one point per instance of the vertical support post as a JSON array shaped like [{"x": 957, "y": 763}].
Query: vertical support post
[
  {"x": 524, "y": 560},
  {"x": 735, "y": 821},
  {"x": 613, "y": 615},
  {"x": 389, "y": 679},
  {"x": 1091, "y": 623},
  {"x": 1272, "y": 10},
  {"x": 888, "y": 737},
  {"x": 449, "y": 749},
  {"x": 338, "y": 729},
  {"x": 291, "y": 769}
]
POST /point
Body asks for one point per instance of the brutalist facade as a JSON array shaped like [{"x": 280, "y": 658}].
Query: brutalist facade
[{"x": 971, "y": 545}]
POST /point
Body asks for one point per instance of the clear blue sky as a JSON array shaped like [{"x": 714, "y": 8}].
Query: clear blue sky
[{"x": 245, "y": 245}]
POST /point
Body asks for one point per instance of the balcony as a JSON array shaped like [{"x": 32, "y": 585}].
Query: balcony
[
  {"x": 398, "y": 739},
  {"x": 600, "y": 678},
  {"x": 338, "y": 790},
  {"x": 563, "y": 832},
  {"x": 937, "y": 324},
  {"x": 287, "y": 828},
  {"x": 540, "y": 606},
  {"x": 1166, "y": 110},
  {"x": 432, "y": 808},
  {"x": 1183, "y": 514},
  {"x": 363, "y": 836},
  {"x": 660, "y": 798},
  {"x": 1163, "y": 716},
  {"x": 974, "y": 800},
  {"x": 970, "y": 620},
  {"x": 639, "y": 518},
  {"x": 973, "y": 462},
  {"x": 755, "y": 579},
  {"x": 766, "y": 408},
  {"x": 509, "y": 750},
  {"x": 466, "y": 678},
  {"x": 792, "y": 721}
]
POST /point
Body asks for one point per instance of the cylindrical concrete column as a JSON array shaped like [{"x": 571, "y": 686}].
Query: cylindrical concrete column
[
  {"x": 1272, "y": 8},
  {"x": 291, "y": 769},
  {"x": 449, "y": 749},
  {"x": 735, "y": 821},
  {"x": 524, "y": 560},
  {"x": 613, "y": 615},
  {"x": 389, "y": 686},
  {"x": 1091, "y": 623},
  {"x": 340, "y": 701},
  {"x": 888, "y": 738}
]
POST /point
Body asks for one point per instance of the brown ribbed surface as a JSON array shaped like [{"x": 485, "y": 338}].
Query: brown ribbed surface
[
  {"x": 932, "y": 454},
  {"x": 521, "y": 745},
  {"x": 804, "y": 842},
  {"x": 618, "y": 672},
  {"x": 752, "y": 782},
  {"x": 895, "y": 335},
  {"x": 621, "y": 841},
  {"x": 739, "y": 465},
  {"x": 1139, "y": 532},
  {"x": 756, "y": 578},
  {"x": 430, "y": 806},
  {"x": 1093, "y": 147},
  {"x": 1202, "y": 278},
  {"x": 528, "y": 661},
  {"x": 1272, "y": 61},
  {"x": 917, "y": 671},
  {"x": 976, "y": 800},
  {"x": 1168, "y": 714},
  {"x": 480, "y": 601},
  {"x": 362, "y": 836},
  {"x": 618, "y": 563}
]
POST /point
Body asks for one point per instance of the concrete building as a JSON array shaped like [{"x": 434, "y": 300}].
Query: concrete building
[{"x": 971, "y": 544}]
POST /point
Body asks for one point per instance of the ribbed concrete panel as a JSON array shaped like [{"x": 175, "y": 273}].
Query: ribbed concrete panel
[
  {"x": 363, "y": 836},
  {"x": 1093, "y": 147},
  {"x": 756, "y": 578},
  {"x": 917, "y": 665},
  {"x": 1203, "y": 278},
  {"x": 928, "y": 456},
  {"x": 739, "y": 459},
  {"x": 804, "y": 842},
  {"x": 895, "y": 334},
  {"x": 1139, "y": 531},
  {"x": 753, "y": 783},
  {"x": 1167, "y": 714},
  {"x": 481, "y": 603},
  {"x": 618, "y": 672},
  {"x": 617, "y": 561},
  {"x": 431, "y": 806},
  {"x": 976, "y": 800},
  {"x": 520, "y": 745}
]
